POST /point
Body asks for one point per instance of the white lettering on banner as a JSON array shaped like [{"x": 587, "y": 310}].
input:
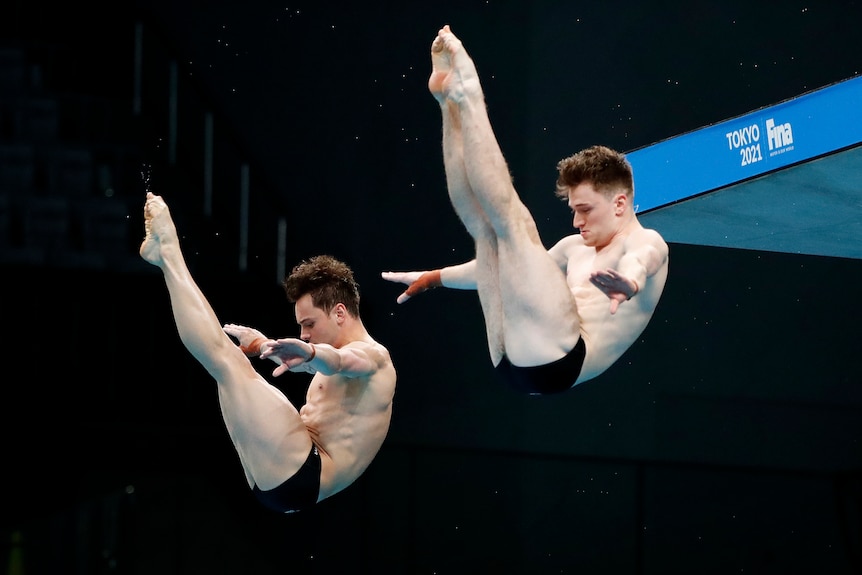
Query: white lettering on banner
[
  {"x": 778, "y": 136},
  {"x": 743, "y": 137},
  {"x": 747, "y": 141}
]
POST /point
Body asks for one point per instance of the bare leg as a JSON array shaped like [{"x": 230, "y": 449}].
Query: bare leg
[
  {"x": 474, "y": 219},
  {"x": 466, "y": 205},
  {"x": 538, "y": 318},
  {"x": 269, "y": 436},
  {"x": 463, "y": 198}
]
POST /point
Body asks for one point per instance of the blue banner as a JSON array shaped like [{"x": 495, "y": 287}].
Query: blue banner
[{"x": 787, "y": 133}]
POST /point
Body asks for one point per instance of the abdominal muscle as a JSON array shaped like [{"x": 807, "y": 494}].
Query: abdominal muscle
[
  {"x": 606, "y": 336},
  {"x": 348, "y": 423}
]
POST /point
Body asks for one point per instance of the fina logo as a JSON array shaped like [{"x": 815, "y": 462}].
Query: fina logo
[{"x": 778, "y": 136}]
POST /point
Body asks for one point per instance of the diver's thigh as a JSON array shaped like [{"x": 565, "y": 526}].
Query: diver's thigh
[{"x": 540, "y": 319}]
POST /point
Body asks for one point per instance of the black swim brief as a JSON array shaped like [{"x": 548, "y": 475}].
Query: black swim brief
[
  {"x": 299, "y": 492},
  {"x": 554, "y": 377}
]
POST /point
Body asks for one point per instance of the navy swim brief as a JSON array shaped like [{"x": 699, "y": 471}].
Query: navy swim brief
[
  {"x": 299, "y": 492},
  {"x": 554, "y": 377}
]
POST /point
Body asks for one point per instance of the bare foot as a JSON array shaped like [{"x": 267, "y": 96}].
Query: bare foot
[
  {"x": 453, "y": 74},
  {"x": 159, "y": 227},
  {"x": 440, "y": 67}
]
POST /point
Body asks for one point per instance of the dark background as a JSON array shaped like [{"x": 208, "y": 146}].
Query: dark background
[{"x": 727, "y": 439}]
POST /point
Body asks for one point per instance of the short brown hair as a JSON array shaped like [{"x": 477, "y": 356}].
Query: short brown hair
[
  {"x": 607, "y": 169},
  {"x": 328, "y": 281}
]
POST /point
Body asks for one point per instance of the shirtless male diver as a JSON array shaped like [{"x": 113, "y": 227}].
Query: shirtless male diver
[
  {"x": 292, "y": 459},
  {"x": 554, "y": 318}
]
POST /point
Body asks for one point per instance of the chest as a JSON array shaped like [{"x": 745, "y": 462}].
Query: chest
[{"x": 584, "y": 260}]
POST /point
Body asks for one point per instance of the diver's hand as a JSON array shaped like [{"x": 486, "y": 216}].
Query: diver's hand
[
  {"x": 417, "y": 282},
  {"x": 617, "y": 287},
  {"x": 250, "y": 339}
]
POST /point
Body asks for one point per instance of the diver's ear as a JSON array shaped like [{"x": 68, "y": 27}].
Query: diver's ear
[
  {"x": 340, "y": 312},
  {"x": 620, "y": 202}
]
